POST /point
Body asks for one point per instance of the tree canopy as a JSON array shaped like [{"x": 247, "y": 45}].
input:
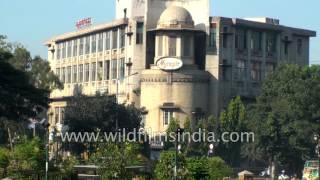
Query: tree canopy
[
  {"x": 100, "y": 112},
  {"x": 286, "y": 115}
]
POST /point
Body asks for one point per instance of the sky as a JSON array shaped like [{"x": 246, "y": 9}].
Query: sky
[{"x": 32, "y": 22}]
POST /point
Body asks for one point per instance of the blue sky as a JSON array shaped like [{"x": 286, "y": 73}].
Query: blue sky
[{"x": 31, "y": 22}]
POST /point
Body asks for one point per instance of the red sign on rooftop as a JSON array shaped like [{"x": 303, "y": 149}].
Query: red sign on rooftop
[{"x": 83, "y": 23}]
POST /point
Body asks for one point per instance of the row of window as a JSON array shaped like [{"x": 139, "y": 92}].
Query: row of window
[
  {"x": 91, "y": 44},
  {"x": 255, "y": 71},
  {"x": 112, "y": 39},
  {"x": 167, "y": 46},
  {"x": 103, "y": 70},
  {"x": 256, "y": 42}
]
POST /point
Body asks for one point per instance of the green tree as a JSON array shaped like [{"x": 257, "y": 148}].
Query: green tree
[
  {"x": 4, "y": 161},
  {"x": 232, "y": 120},
  {"x": 25, "y": 86},
  {"x": 67, "y": 166},
  {"x": 38, "y": 69},
  {"x": 42, "y": 76},
  {"x": 203, "y": 167},
  {"x": 82, "y": 117},
  {"x": 107, "y": 114},
  {"x": 206, "y": 126},
  {"x": 29, "y": 155},
  {"x": 113, "y": 159},
  {"x": 174, "y": 124},
  {"x": 19, "y": 98},
  {"x": 286, "y": 115},
  {"x": 165, "y": 167}
]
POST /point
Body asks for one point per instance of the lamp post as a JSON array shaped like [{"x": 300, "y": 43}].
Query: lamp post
[
  {"x": 210, "y": 151},
  {"x": 46, "y": 127},
  {"x": 316, "y": 138},
  {"x": 177, "y": 148}
]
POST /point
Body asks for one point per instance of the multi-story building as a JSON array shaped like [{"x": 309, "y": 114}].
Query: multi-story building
[{"x": 170, "y": 58}]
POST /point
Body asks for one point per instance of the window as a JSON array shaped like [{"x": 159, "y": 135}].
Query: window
[
  {"x": 241, "y": 39},
  {"x": 75, "y": 48},
  {"x": 299, "y": 46},
  {"x": 187, "y": 44},
  {"x": 122, "y": 37},
  {"x": 81, "y": 46},
  {"x": 270, "y": 68},
  {"x": 69, "y": 49},
  {"x": 58, "y": 72},
  {"x": 167, "y": 116},
  {"x": 106, "y": 70},
  {"x": 143, "y": 120},
  {"x": 160, "y": 45},
  {"x": 63, "y": 77},
  {"x": 114, "y": 69},
  {"x": 271, "y": 40},
  {"x": 256, "y": 71},
  {"x": 87, "y": 45},
  {"x": 81, "y": 73},
  {"x": 87, "y": 72},
  {"x": 139, "y": 34},
  {"x": 286, "y": 45},
  {"x": 172, "y": 46},
  {"x": 74, "y": 75},
  {"x": 69, "y": 74},
  {"x": 213, "y": 36},
  {"x": 224, "y": 69},
  {"x": 225, "y": 37},
  {"x": 256, "y": 41},
  {"x": 56, "y": 115},
  {"x": 241, "y": 70},
  {"x": 62, "y": 110},
  {"x": 100, "y": 42},
  {"x": 93, "y": 71},
  {"x": 93, "y": 43},
  {"x": 99, "y": 72},
  {"x": 58, "y": 51},
  {"x": 115, "y": 39},
  {"x": 121, "y": 69},
  {"x": 64, "y": 50},
  {"x": 107, "y": 40}
]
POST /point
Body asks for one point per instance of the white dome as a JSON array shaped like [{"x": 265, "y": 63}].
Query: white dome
[{"x": 175, "y": 17}]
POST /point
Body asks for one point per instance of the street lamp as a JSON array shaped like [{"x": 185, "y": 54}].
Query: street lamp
[
  {"x": 317, "y": 150},
  {"x": 177, "y": 148},
  {"x": 210, "y": 151},
  {"x": 46, "y": 126}
]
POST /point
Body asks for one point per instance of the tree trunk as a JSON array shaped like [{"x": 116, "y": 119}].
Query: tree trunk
[
  {"x": 10, "y": 139},
  {"x": 273, "y": 168}
]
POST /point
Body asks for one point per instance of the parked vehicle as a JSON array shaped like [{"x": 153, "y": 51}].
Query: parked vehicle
[{"x": 310, "y": 170}]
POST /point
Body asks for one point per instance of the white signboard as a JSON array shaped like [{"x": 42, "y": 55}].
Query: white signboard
[{"x": 169, "y": 63}]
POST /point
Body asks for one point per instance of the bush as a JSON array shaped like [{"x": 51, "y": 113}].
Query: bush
[
  {"x": 28, "y": 156},
  {"x": 4, "y": 160},
  {"x": 165, "y": 167},
  {"x": 201, "y": 167},
  {"x": 114, "y": 158}
]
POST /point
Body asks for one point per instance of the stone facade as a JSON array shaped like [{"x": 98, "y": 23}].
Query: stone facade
[{"x": 170, "y": 58}]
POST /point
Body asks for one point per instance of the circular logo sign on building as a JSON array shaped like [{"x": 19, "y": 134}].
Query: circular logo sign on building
[{"x": 169, "y": 63}]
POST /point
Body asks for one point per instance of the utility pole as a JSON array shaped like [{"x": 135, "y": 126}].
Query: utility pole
[
  {"x": 317, "y": 150},
  {"x": 177, "y": 148},
  {"x": 117, "y": 99}
]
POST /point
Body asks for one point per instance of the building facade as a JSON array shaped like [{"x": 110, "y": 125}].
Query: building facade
[{"x": 171, "y": 59}]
